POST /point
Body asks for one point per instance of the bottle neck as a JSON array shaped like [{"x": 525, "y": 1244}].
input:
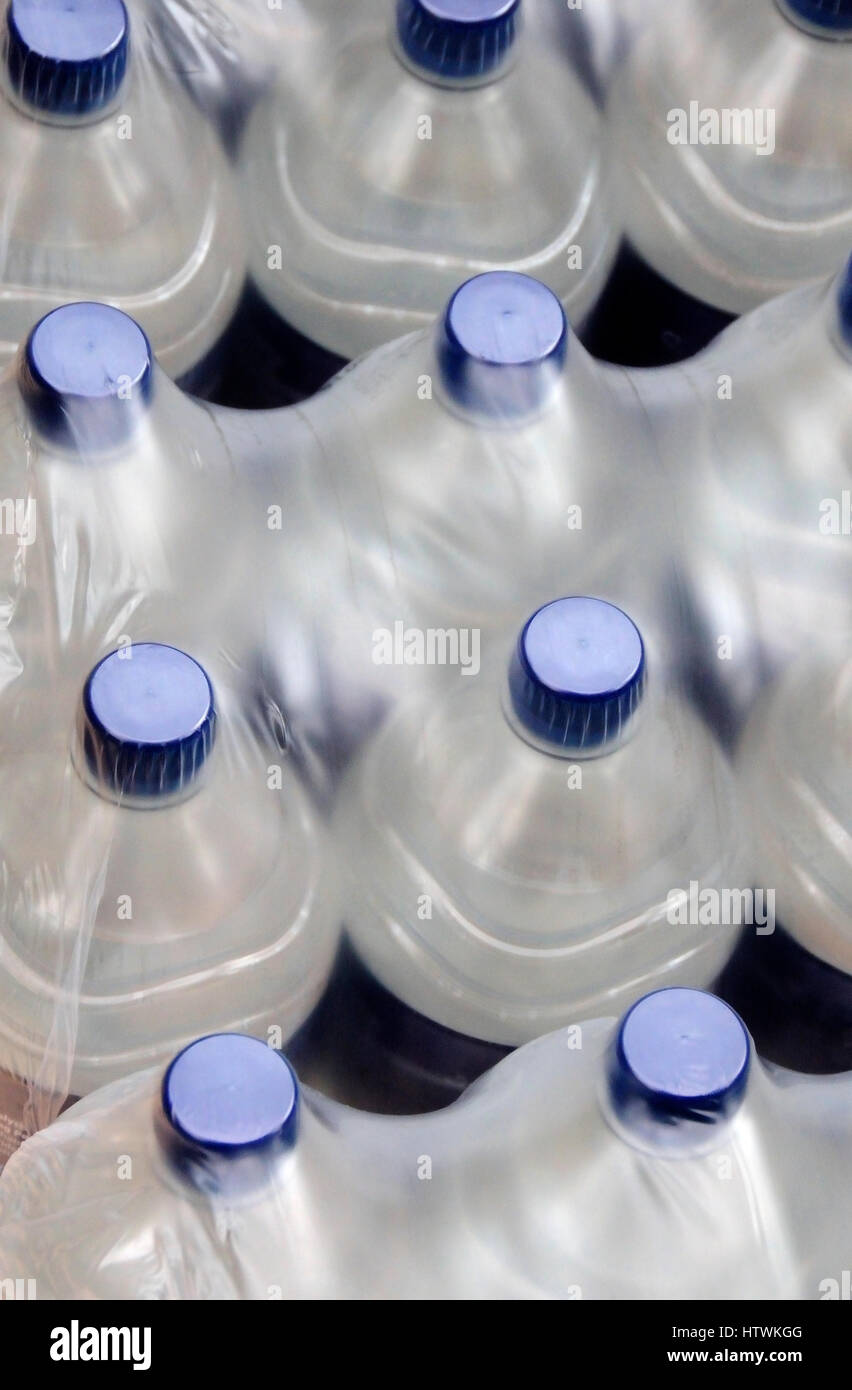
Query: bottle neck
[
  {"x": 213, "y": 1175},
  {"x": 230, "y": 1115},
  {"x": 62, "y": 120},
  {"x": 117, "y": 787},
  {"x": 582, "y": 751},
  {"x": 453, "y": 59},
  {"x": 677, "y": 1072}
]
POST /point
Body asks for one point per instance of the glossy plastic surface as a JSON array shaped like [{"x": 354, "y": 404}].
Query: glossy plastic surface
[
  {"x": 795, "y": 768},
  {"x": 528, "y": 1187},
  {"x": 163, "y": 872},
  {"x": 756, "y": 436},
  {"x": 503, "y": 891},
  {"x": 438, "y": 169},
  {"x": 731, "y": 133},
  {"x": 438, "y": 492},
  {"x": 116, "y": 187}
]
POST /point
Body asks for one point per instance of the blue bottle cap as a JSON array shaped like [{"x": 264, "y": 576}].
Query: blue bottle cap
[
  {"x": 502, "y": 345},
  {"x": 832, "y": 17},
  {"x": 844, "y": 304},
  {"x": 577, "y": 673},
  {"x": 457, "y": 39},
  {"x": 232, "y": 1095},
  {"x": 679, "y": 1065},
  {"x": 85, "y": 374},
  {"x": 148, "y": 720},
  {"x": 67, "y": 57}
]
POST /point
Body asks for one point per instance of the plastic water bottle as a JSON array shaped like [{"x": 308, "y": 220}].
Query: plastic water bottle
[
  {"x": 162, "y": 874},
  {"x": 756, "y": 434},
  {"x": 116, "y": 189},
  {"x": 494, "y": 422},
  {"x": 449, "y": 483},
  {"x": 731, "y": 139},
  {"x": 124, "y": 498},
  {"x": 590, "y": 1164},
  {"x": 463, "y": 145},
  {"x": 523, "y": 859},
  {"x": 795, "y": 985}
]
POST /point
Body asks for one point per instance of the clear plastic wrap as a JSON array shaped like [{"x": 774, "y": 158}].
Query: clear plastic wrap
[
  {"x": 526, "y": 849},
  {"x": 653, "y": 1159},
  {"x": 727, "y": 225},
  {"x": 730, "y": 135},
  {"x": 443, "y": 488},
  {"x": 126, "y": 499},
  {"x": 346, "y": 750},
  {"x": 595, "y": 35},
  {"x": 163, "y": 871},
  {"x": 438, "y": 491},
  {"x": 392, "y": 154},
  {"x": 795, "y": 988},
  {"x": 756, "y": 434},
  {"x": 228, "y": 51},
  {"x": 115, "y": 187}
]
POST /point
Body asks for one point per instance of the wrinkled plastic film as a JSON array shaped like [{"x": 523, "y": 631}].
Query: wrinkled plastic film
[
  {"x": 91, "y": 207},
  {"x": 733, "y": 219},
  {"x": 145, "y": 510},
  {"x": 499, "y": 1213},
  {"x": 754, "y": 433},
  {"x": 228, "y": 54},
  {"x": 146, "y": 894},
  {"x": 498, "y": 489},
  {"x": 354, "y": 121}
]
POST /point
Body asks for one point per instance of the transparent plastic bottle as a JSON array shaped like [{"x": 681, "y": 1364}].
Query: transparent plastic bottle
[
  {"x": 523, "y": 854},
  {"x": 656, "y": 1160},
  {"x": 115, "y": 188},
  {"x": 731, "y": 140},
  {"x": 400, "y": 155},
  {"x": 449, "y": 483},
  {"x": 795, "y": 986},
  {"x": 161, "y": 875},
  {"x": 123, "y": 509},
  {"x": 756, "y": 436}
]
